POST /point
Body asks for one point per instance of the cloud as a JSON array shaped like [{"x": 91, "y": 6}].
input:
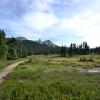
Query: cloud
[
  {"x": 40, "y": 21},
  {"x": 72, "y": 2},
  {"x": 60, "y": 20},
  {"x": 12, "y": 9},
  {"x": 45, "y": 4},
  {"x": 19, "y": 29},
  {"x": 86, "y": 25}
]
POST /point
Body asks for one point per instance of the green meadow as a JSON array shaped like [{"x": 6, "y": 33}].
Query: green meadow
[
  {"x": 5, "y": 63},
  {"x": 52, "y": 77}
]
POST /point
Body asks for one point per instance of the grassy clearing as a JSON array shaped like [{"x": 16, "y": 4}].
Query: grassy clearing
[{"x": 52, "y": 78}]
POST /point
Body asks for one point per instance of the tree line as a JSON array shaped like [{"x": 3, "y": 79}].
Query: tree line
[
  {"x": 82, "y": 49},
  {"x": 11, "y": 48},
  {"x": 7, "y": 48}
]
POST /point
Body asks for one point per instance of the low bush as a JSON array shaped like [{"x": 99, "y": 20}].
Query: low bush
[
  {"x": 85, "y": 59},
  {"x": 29, "y": 60}
]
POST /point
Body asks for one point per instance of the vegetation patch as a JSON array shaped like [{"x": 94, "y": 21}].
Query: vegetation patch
[
  {"x": 85, "y": 59},
  {"x": 53, "y": 78}
]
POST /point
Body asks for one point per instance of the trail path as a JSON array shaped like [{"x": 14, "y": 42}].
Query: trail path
[{"x": 8, "y": 70}]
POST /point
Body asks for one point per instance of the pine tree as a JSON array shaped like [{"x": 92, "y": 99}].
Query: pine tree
[
  {"x": 3, "y": 45},
  {"x": 70, "y": 50},
  {"x": 12, "y": 53},
  {"x": 63, "y": 51},
  {"x": 85, "y": 48}
]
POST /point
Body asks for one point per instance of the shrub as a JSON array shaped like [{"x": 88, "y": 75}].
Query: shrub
[
  {"x": 91, "y": 59},
  {"x": 29, "y": 61},
  {"x": 84, "y": 59}
]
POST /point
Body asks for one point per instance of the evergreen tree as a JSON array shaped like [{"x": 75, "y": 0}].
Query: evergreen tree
[
  {"x": 3, "y": 45},
  {"x": 82, "y": 49},
  {"x": 63, "y": 51},
  {"x": 70, "y": 50},
  {"x": 21, "y": 51},
  {"x": 85, "y": 48},
  {"x": 12, "y": 51}
]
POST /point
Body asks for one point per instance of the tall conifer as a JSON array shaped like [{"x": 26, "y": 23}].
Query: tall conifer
[{"x": 3, "y": 45}]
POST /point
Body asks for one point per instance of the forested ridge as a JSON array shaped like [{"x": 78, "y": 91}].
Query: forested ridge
[{"x": 13, "y": 48}]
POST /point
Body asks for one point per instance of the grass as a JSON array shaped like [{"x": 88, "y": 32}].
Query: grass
[
  {"x": 5, "y": 63},
  {"x": 52, "y": 78}
]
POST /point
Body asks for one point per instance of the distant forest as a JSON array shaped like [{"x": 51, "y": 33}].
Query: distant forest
[{"x": 13, "y": 48}]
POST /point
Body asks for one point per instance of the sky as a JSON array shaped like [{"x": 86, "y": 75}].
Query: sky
[{"x": 61, "y": 21}]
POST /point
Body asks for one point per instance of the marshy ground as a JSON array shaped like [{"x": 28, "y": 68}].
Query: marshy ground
[{"x": 52, "y": 78}]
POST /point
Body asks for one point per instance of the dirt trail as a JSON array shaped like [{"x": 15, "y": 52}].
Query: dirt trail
[{"x": 8, "y": 70}]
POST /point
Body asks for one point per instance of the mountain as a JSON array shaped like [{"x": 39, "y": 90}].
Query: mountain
[
  {"x": 29, "y": 47},
  {"x": 48, "y": 43},
  {"x": 39, "y": 41},
  {"x": 21, "y": 38}
]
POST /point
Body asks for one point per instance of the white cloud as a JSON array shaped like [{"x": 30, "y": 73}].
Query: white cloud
[
  {"x": 41, "y": 5},
  {"x": 70, "y": 2},
  {"x": 40, "y": 20},
  {"x": 85, "y": 25},
  {"x": 18, "y": 29},
  {"x": 74, "y": 2},
  {"x": 36, "y": 18}
]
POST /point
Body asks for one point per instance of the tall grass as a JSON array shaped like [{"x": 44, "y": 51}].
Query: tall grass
[{"x": 51, "y": 78}]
